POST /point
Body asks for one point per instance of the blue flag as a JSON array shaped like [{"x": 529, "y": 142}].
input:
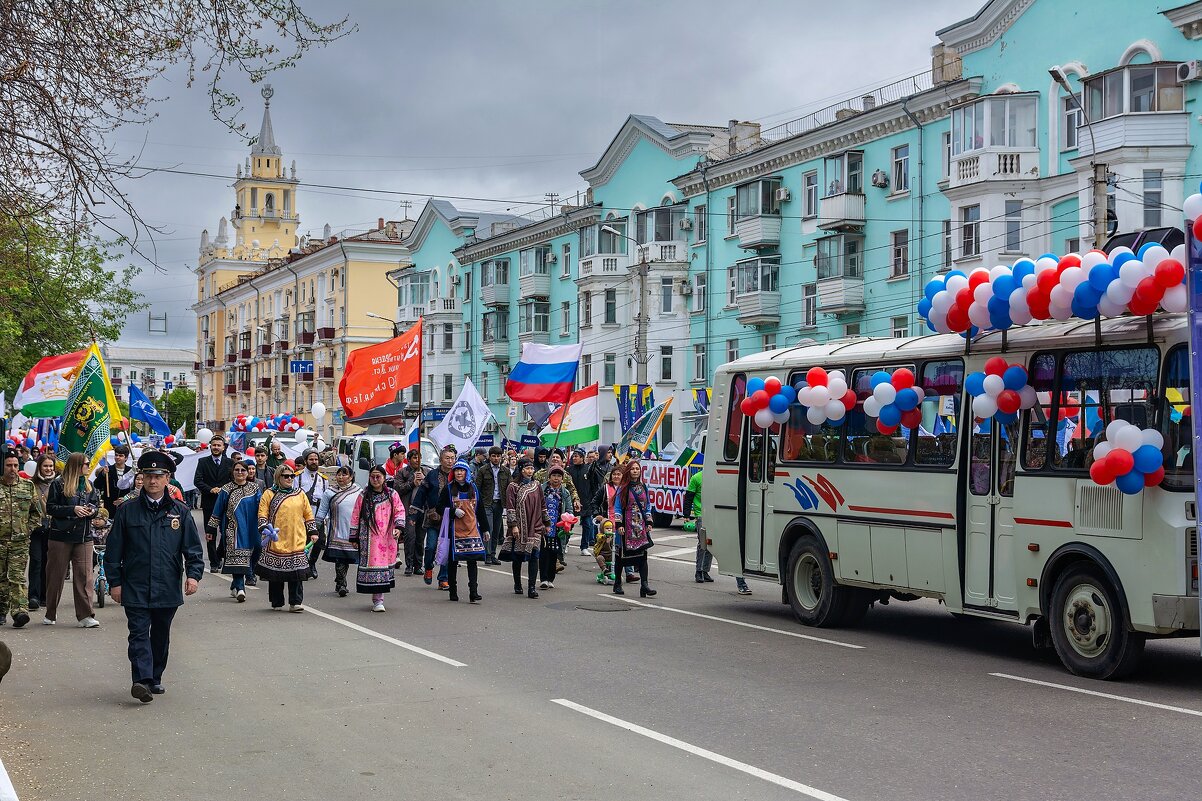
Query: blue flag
[{"x": 140, "y": 408}]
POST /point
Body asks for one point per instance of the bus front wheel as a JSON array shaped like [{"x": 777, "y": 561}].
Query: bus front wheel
[
  {"x": 1089, "y": 625},
  {"x": 813, "y": 594}
]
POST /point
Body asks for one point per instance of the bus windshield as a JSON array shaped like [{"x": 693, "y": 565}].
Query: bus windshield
[{"x": 1175, "y": 422}]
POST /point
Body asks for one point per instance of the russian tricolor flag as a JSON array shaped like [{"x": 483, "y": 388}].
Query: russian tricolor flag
[
  {"x": 544, "y": 373},
  {"x": 413, "y": 438}
]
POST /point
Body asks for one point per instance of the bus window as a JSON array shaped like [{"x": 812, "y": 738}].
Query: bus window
[
  {"x": 755, "y": 457},
  {"x": 802, "y": 441},
  {"x": 1175, "y": 422},
  {"x": 1041, "y": 375},
  {"x": 941, "y": 385},
  {"x": 1007, "y": 458},
  {"x": 734, "y": 417},
  {"x": 865, "y": 444},
  {"x": 979, "y": 471},
  {"x": 1097, "y": 386}
]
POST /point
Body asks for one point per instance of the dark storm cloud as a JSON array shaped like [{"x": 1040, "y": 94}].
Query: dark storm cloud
[{"x": 503, "y": 100}]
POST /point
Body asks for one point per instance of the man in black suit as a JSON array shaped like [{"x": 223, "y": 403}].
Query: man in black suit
[{"x": 212, "y": 473}]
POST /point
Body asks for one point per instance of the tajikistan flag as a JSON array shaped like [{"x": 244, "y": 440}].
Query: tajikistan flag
[
  {"x": 44, "y": 391},
  {"x": 576, "y": 423}
]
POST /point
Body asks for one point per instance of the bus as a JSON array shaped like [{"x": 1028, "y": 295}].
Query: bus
[{"x": 993, "y": 520}]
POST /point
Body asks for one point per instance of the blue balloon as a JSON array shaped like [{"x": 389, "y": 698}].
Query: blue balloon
[
  {"x": 1005, "y": 417},
  {"x": 1049, "y": 256},
  {"x": 891, "y": 415},
  {"x": 1014, "y": 378},
  {"x": 879, "y": 377},
  {"x": 1147, "y": 459},
  {"x": 1101, "y": 276},
  {"x": 907, "y": 399},
  {"x": 933, "y": 288},
  {"x": 1139, "y": 254},
  {"x": 29, "y": 443},
  {"x": 1083, "y": 310},
  {"x": 1000, "y": 322},
  {"x": 778, "y": 403},
  {"x": 1004, "y": 286},
  {"x": 1131, "y": 483},
  {"x": 1119, "y": 260},
  {"x": 960, "y": 273},
  {"x": 114, "y": 441},
  {"x": 754, "y": 385},
  {"x": 975, "y": 384},
  {"x": 788, "y": 392},
  {"x": 931, "y": 327},
  {"x": 924, "y": 308},
  {"x": 135, "y": 437}
]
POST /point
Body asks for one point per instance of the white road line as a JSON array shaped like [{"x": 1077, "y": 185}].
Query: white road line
[
  {"x": 798, "y": 635},
  {"x": 1123, "y": 698},
  {"x": 675, "y": 537},
  {"x": 676, "y": 552},
  {"x": 689, "y": 748},
  {"x": 7, "y": 791},
  {"x": 362, "y": 630}
]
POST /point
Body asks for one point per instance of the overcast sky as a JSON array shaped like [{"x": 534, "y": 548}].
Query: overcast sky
[{"x": 501, "y": 100}]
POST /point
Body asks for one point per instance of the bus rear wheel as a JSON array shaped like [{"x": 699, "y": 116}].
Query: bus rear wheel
[
  {"x": 1088, "y": 622},
  {"x": 815, "y": 598}
]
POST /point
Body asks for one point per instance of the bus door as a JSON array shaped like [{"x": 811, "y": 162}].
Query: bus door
[
  {"x": 758, "y": 475},
  {"x": 989, "y": 570}
]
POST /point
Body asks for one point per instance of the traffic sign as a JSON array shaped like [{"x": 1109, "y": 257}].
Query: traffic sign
[
  {"x": 300, "y": 366},
  {"x": 167, "y": 385}
]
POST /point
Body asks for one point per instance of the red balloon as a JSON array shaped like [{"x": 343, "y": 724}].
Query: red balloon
[
  {"x": 995, "y": 366},
  {"x": 1154, "y": 478},
  {"x": 957, "y": 319},
  {"x": 1009, "y": 401},
  {"x": 290, "y": 463},
  {"x": 747, "y": 406},
  {"x": 1071, "y": 260},
  {"x": 1198, "y": 229},
  {"x": 1141, "y": 308},
  {"x": 912, "y": 418},
  {"x": 815, "y": 377},
  {"x": 1169, "y": 273},
  {"x": 977, "y": 278},
  {"x": 1046, "y": 280},
  {"x": 760, "y": 399},
  {"x": 1149, "y": 291},
  {"x": 169, "y": 439},
  {"x": 772, "y": 384},
  {"x": 964, "y": 298},
  {"x": 1099, "y": 471},
  {"x": 884, "y": 429},
  {"x": 1120, "y": 461},
  {"x": 251, "y": 451},
  {"x": 902, "y": 378},
  {"x": 849, "y": 399}
]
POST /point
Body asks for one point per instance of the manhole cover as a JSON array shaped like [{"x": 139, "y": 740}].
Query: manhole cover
[{"x": 601, "y": 605}]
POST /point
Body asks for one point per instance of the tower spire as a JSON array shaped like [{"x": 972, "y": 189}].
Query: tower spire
[{"x": 265, "y": 145}]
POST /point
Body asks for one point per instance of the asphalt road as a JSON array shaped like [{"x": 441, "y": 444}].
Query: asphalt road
[{"x": 584, "y": 695}]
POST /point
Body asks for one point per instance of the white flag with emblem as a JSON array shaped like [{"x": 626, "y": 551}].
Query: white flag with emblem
[{"x": 465, "y": 421}]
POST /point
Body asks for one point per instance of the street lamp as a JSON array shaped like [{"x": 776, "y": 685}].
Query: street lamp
[
  {"x": 1099, "y": 170},
  {"x": 396, "y": 327},
  {"x": 640, "y": 343}
]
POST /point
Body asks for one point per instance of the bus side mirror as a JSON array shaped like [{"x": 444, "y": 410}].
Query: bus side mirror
[{"x": 364, "y": 463}]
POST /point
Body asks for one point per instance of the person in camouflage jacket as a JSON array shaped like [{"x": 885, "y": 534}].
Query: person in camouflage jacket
[{"x": 19, "y": 514}]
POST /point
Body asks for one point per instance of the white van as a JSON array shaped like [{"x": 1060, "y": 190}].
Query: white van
[{"x": 361, "y": 451}]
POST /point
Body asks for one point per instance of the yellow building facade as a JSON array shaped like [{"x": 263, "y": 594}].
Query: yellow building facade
[{"x": 270, "y": 301}]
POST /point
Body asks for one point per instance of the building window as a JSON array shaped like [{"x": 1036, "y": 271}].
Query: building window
[
  {"x": 700, "y": 373},
  {"x": 730, "y": 215},
  {"x": 1014, "y": 226},
  {"x": 586, "y": 369},
  {"x": 533, "y": 261},
  {"x": 495, "y": 273},
  {"x": 565, "y": 313},
  {"x": 496, "y": 326},
  {"x": 809, "y": 194},
  {"x": 658, "y": 224},
  {"x": 565, "y": 260},
  {"x": 698, "y": 299},
  {"x": 467, "y": 336},
  {"x": 970, "y": 231},
  {"x": 448, "y": 336},
  {"x": 665, "y": 429},
  {"x": 611, "y": 307},
  {"x": 758, "y": 275},
  {"x": 845, "y": 173},
  {"x": 757, "y": 198},
  {"x": 665, "y": 295},
  {"x": 1070, "y": 121},
  {"x": 947, "y": 244},
  {"x": 851, "y": 330},
  {"x": 447, "y": 385},
  {"x": 586, "y": 309},
  {"x": 946, "y": 151},
  {"x": 1135, "y": 89},
  {"x": 809, "y": 305},
  {"x": 700, "y": 223},
  {"x": 534, "y": 317},
  {"x": 900, "y": 327},
  {"x": 998, "y": 121},
  {"x": 484, "y": 386},
  {"x": 732, "y": 350},
  {"x": 467, "y": 286},
  {"x": 1072, "y": 245},
  {"x": 840, "y": 256},
  {"x": 1153, "y": 195},
  {"x": 899, "y": 248},
  {"x": 901, "y": 168},
  {"x": 769, "y": 342},
  {"x": 609, "y": 374},
  {"x": 665, "y": 363},
  {"x": 115, "y": 372}
]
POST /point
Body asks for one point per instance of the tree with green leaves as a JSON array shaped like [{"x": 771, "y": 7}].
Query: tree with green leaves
[{"x": 178, "y": 407}]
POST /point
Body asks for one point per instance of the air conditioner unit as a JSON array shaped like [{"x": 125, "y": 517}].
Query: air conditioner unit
[
  {"x": 552, "y": 258},
  {"x": 686, "y": 289},
  {"x": 782, "y": 194},
  {"x": 880, "y": 179},
  {"x": 456, "y": 280},
  {"x": 686, "y": 223},
  {"x": 1189, "y": 71}
]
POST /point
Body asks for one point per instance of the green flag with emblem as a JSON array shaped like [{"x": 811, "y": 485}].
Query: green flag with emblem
[{"x": 89, "y": 413}]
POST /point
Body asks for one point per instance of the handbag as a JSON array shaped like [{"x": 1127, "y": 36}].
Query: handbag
[
  {"x": 508, "y": 551},
  {"x": 442, "y": 554}
]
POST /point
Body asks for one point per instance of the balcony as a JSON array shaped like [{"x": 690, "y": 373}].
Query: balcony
[
  {"x": 244, "y": 386},
  {"x": 230, "y": 389},
  {"x": 535, "y": 285},
  {"x": 409, "y": 314},
  {"x": 844, "y": 210},
  {"x": 758, "y": 231},
  {"x": 282, "y": 380},
  {"x": 265, "y": 349},
  {"x": 265, "y": 382},
  {"x": 678, "y": 251},
  {"x": 759, "y": 308},
  {"x": 325, "y": 333},
  {"x": 994, "y": 164},
  {"x": 281, "y": 345},
  {"x": 231, "y": 357},
  {"x": 210, "y": 362},
  {"x": 244, "y": 353},
  {"x": 305, "y": 378},
  {"x": 539, "y": 337},
  {"x": 1154, "y": 129},
  {"x": 443, "y": 307},
  {"x": 495, "y": 295},
  {"x": 306, "y": 337},
  {"x": 196, "y": 367},
  {"x": 495, "y": 350},
  {"x": 116, "y": 382},
  {"x": 325, "y": 373},
  {"x": 841, "y": 295}
]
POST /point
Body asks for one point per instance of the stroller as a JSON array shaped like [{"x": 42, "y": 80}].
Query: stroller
[{"x": 100, "y": 535}]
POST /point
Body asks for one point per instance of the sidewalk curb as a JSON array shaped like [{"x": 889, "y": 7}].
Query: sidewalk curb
[{"x": 7, "y": 791}]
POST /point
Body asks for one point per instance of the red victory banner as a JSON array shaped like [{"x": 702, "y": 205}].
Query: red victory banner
[{"x": 375, "y": 374}]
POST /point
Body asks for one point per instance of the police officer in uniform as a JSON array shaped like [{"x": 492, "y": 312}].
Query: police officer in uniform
[
  {"x": 19, "y": 513},
  {"x": 151, "y": 547}
]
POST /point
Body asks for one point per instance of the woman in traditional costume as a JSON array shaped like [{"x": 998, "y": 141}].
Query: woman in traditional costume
[
  {"x": 337, "y": 508},
  {"x": 235, "y": 521},
  {"x": 633, "y": 511},
  {"x": 377, "y": 526},
  {"x": 460, "y": 507},
  {"x": 526, "y": 523},
  {"x": 286, "y": 524}
]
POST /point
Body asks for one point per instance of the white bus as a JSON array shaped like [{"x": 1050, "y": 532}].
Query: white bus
[{"x": 1001, "y": 523}]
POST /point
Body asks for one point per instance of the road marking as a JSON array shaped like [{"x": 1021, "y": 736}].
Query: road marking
[
  {"x": 1112, "y": 697},
  {"x": 689, "y": 748},
  {"x": 676, "y": 537},
  {"x": 798, "y": 635},
  {"x": 7, "y": 791},
  {"x": 392, "y": 640},
  {"x": 676, "y": 552}
]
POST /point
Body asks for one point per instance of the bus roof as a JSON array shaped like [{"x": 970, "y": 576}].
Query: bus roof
[{"x": 1019, "y": 338}]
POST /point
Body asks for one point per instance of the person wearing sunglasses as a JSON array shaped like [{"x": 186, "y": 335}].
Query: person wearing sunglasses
[{"x": 286, "y": 525}]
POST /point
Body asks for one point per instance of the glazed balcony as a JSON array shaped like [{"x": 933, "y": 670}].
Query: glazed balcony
[
  {"x": 536, "y": 284},
  {"x": 495, "y": 349},
  {"x": 1154, "y": 129},
  {"x": 841, "y": 210},
  {"x": 841, "y": 295},
  {"x": 494, "y": 295},
  {"x": 410, "y": 313}
]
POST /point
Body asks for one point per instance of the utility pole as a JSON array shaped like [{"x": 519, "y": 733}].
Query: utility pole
[
  {"x": 1099, "y": 205},
  {"x": 552, "y": 198},
  {"x": 640, "y": 343}
]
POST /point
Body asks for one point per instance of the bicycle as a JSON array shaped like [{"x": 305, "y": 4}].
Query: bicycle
[{"x": 99, "y": 538}]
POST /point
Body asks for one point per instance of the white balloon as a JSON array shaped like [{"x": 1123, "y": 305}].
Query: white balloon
[
  {"x": 884, "y": 393},
  {"x": 834, "y": 410},
  {"x": 998, "y": 271},
  {"x": 920, "y": 392},
  {"x": 1029, "y": 281},
  {"x": 872, "y": 406},
  {"x": 1108, "y": 308},
  {"x": 803, "y": 396},
  {"x": 1060, "y": 296},
  {"x": 1178, "y": 253},
  {"x": 837, "y": 387},
  {"x": 978, "y": 315},
  {"x": 955, "y": 284},
  {"x": 940, "y": 324},
  {"x": 1092, "y": 258},
  {"x": 1021, "y": 316},
  {"x": 982, "y": 293},
  {"x": 994, "y": 385},
  {"x": 816, "y": 415},
  {"x": 320, "y": 443},
  {"x": 1061, "y": 312},
  {"x": 1045, "y": 263},
  {"x": 319, "y": 411},
  {"x": 1101, "y": 450},
  {"x": 30, "y": 467},
  {"x": 1176, "y": 299},
  {"x": 1155, "y": 255},
  {"x": 1028, "y": 397},
  {"x": 1114, "y": 428},
  {"x": 819, "y": 396},
  {"x": 942, "y": 302},
  {"x": 1121, "y": 249},
  {"x": 837, "y": 375},
  {"x": 984, "y": 406},
  {"x": 203, "y": 436},
  {"x": 1072, "y": 277},
  {"x": 763, "y": 418},
  {"x": 779, "y": 418},
  {"x": 1151, "y": 436},
  {"x": 1120, "y": 293},
  {"x": 1129, "y": 439},
  {"x": 1192, "y": 207},
  {"x": 1131, "y": 273}
]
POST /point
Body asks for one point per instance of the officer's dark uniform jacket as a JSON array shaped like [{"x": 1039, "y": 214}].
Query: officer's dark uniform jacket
[{"x": 149, "y": 551}]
